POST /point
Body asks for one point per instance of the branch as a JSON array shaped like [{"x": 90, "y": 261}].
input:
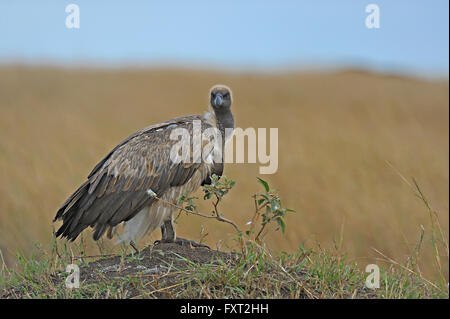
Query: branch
[{"x": 217, "y": 216}]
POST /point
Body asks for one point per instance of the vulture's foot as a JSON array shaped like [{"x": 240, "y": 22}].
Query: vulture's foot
[
  {"x": 187, "y": 242},
  {"x": 183, "y": 242}
]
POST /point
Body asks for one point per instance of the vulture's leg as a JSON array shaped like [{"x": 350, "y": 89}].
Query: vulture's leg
[
  {"x": 169, "y": 236},
  {"x": 168, "y": 232}
]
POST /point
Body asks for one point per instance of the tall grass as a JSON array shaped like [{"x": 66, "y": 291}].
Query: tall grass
[
  {"x": 255, "y": 272},
  {"x": 337, "y": 132}
]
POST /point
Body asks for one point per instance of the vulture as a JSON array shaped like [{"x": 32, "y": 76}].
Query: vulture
[{"x": 140, "y": 181}]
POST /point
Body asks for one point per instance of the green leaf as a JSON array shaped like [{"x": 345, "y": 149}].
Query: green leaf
[
  {"x": 281, "y": 223},
  {"x": 207, "y": 196},
  {"x": 263, "y": 183}
]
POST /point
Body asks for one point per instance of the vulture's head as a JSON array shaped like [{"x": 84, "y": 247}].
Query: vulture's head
[{"x": 220, "y": 98}]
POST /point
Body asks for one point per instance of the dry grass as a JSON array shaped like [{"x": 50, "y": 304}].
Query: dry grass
[{"x": 338, "y": 132}]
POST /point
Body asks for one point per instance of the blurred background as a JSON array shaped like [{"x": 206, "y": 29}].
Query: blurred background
[{"x": 355, "y": 108}]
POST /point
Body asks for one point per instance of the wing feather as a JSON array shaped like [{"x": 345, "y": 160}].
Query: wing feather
[{"x": 116, "y": 189}]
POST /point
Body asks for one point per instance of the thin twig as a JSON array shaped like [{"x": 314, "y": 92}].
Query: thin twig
[{"x": 216, "y": 216}]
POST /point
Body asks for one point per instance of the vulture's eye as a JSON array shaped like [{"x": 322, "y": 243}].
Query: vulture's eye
[{"x": 226, "y": 95}]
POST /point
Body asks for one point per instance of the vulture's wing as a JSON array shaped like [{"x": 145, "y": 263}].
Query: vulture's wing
[{"x": 117, "y": 188}]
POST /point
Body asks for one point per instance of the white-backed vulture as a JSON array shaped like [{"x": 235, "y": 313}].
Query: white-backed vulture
[{"x": 122, "y": 186}]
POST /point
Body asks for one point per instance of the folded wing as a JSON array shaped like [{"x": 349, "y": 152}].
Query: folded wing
[{"x": 118, "y": 187}]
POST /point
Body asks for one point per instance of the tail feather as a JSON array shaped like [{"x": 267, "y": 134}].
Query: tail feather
[
  {"x": 99, "y": 231},
  {"x": 71, "y": 214}
]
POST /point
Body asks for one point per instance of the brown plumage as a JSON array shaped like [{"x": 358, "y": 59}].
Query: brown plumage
[{"x": 117, "y": 189}]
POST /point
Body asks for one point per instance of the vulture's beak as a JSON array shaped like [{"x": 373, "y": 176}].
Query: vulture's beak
[{"x": 218, "y": 100}]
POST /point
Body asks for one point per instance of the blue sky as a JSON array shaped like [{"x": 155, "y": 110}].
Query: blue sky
[{"x": 412, "y": 38}]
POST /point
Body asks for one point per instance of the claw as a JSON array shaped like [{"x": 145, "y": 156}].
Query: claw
[
  {"x": 183, "y": 242},
  {"x": 191, "y": 243}
]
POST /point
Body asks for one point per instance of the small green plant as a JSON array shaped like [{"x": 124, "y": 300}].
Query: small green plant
[
  {"x": 216, "y": 191},
  {"x": 268, "y": 205},
  {"x": 268, "y": 208},
  {"x": 218, "y": 187}
]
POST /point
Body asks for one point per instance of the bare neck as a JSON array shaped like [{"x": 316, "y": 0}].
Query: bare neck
[{"x": 222, "y": 119}]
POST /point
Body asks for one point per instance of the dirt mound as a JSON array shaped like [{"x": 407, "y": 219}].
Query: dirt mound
[
  {"x": 157, "y": 259},
  {"x": 157, "y": 268}
]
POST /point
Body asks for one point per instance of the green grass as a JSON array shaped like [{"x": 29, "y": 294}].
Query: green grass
[
  {"x": 308, "y": 273},
  {"x": 251, "y": 271}
]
